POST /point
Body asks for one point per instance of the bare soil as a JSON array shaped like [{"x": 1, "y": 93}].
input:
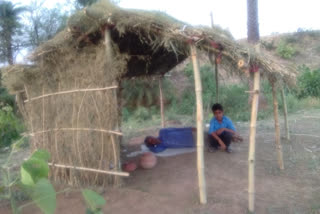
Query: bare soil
[{"x": 171, "y": 187}]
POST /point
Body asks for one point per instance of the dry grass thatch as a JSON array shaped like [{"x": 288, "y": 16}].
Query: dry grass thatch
[{"x": 101, "y": 45}]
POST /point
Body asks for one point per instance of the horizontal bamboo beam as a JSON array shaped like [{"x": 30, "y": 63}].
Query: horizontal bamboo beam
[
  {"x": 125, "y": 174},
  {"x": 71, "y": 91},
  {"x": 76, "y": 129}
]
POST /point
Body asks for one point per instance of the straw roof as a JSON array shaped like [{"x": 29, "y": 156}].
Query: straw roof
[{"x": 153, "y": 43}]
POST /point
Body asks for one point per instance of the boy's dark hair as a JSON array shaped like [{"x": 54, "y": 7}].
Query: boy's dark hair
[{"x": 216, "y": 107}]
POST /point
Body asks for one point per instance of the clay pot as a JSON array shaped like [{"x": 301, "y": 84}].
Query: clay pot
[
  {"x": 148, "y": 160},
  {"x": 130, "y": 167}
]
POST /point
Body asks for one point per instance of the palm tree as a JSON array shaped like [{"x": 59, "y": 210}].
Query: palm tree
[
  {"x": 9, "y": 24},
  {"x": 84, "y": 3},
  {"x": 252, "y": 22}
]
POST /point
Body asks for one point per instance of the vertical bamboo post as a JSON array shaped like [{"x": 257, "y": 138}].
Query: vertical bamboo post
[
  {"x": 285, "y": 114},
  {"x": 216, "y": 73},
  {"x": 215, "y": 64},
  {"x": 252, "y": 142},
  {"x": 43, "y": 115},
  {"x": 276, "y": 125},
  {"x": 200, "y": 144},
  {"x": 217, "y": 79},
  {"x": 211, "y": 16},
  {"x": 161, "y": 103}
]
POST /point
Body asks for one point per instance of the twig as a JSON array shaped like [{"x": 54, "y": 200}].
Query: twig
[
  {"x": 77, "y": 129},
  {"x": 71, "y": 91},
  {"x": 310, "y": 135},
  {"x": 90, "y": 169}
]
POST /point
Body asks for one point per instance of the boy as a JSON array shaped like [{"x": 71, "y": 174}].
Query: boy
[
  {"x": 221, "y": 130},
  {"x": 171, "y": 138}
]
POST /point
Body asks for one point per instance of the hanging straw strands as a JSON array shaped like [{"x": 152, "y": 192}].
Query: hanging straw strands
[
  {"x": 125, "y": 174},
  {"x": 76, "y": 129},
  {"x": 69, "y": 92}
]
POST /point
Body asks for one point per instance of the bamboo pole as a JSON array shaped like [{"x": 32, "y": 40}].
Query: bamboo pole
[
  {"x": 285, "y": 114},
  {"x": 77, "y": 129},
  {"x": 217, "y": 78},
  {"x": 276, "y": 124},
  {"x": 161, "y": 103},
  {"x": 200, "y": 144},
  {"x": 252, "y": 142},
  {"x": 215, "y": 64},
  {"x": 71, "y": 91},
  {"x": 90, "y": 169}
]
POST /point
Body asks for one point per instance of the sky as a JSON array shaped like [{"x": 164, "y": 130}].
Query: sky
[{"x": 275, "y": 16}]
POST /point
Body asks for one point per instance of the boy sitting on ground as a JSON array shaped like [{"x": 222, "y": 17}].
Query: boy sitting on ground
[{"x": 221, "y": 131}]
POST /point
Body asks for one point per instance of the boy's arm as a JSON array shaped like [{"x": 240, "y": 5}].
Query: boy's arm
[{"x": 222, "y": 145}]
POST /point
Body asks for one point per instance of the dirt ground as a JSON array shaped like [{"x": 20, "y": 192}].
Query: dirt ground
[{"x": 171, "y": 187}]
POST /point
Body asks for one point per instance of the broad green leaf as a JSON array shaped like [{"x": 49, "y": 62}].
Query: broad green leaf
[
  {"x": 44, "y": 196},
  {"x": 33, "y": 170},
  {"x": 93, "y": 199},
  {"x": 26, "y": 178},
  {"x": 41, "y": 154}
]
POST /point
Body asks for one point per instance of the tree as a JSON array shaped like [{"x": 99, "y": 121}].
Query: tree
[
  {"x": 9, "y": 27},
  {"x": 252, "y": 22},
  {"x": 43, "y": 23},
  {"x": 84, "y": 3}
]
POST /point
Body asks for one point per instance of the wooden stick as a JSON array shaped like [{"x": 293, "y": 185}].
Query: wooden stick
[
  {"x": 211, "y": 16},
  {"x": 71, "y": 91},
  {"x": 214, "y": 65},
  {"x": 217, "y": 78},
  {"x": 161, "y": 103},
  {"x": 276, "y": 124},
  {"x": 285, "y": 114},
  {"x": 216, "y": 70},
  {"x": 90, "y": 169},
  {"x": 308, "y": 135},
  {"x": 200, "y": 144},
  {"x": 43, "y": 115},
  {"x": 252, "y": 143},
  {"x": 77, "y": 129}
]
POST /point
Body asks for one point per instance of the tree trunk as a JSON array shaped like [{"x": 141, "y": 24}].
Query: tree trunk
[
  {"x": 200, "y": 143},
  {"x": 252, "y": 22},
  {"x": 9, "y": 52}
]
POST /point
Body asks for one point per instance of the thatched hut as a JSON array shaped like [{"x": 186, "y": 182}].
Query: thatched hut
[{"x": 69, "y": 95}]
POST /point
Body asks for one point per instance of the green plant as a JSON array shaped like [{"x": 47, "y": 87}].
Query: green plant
[
  {"x": 10, "y": 126},
  {"x": 94, "y": 201},
  {"x": 308, "y": 82},
  {"x": 33, "y": 180},
  {"x": 142, "y": 114},
  {"x": 286, "y": 50},
  {"x": 269, "y": 45}
]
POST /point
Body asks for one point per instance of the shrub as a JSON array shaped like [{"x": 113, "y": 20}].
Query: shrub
[
  {"x": 309, "y": 83},
  {"x": 285, "y": 50},
  {"x": 10, "y": 126},
  {"x": 269, "y": 45},
  {"x": 142, "y": 114}
]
